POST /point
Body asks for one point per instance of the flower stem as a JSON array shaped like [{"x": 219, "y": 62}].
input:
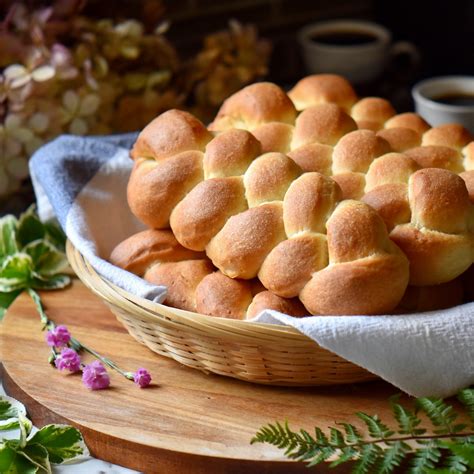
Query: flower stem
[{"x": 75, "y": 343}]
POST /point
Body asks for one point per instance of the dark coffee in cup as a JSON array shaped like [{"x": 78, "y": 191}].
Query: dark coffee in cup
[
  {"x": 455, "y": 98},
  {"x": 344, "y": 38}
]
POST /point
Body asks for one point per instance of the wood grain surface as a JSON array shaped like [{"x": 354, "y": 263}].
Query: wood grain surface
[{"x": 186, "y": 422}]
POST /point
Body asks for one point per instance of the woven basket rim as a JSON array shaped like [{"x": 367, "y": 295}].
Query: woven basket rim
[{"x": 157, "y": 311}]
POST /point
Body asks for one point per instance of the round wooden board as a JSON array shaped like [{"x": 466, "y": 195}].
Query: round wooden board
[{"x": 186, "y": 422}]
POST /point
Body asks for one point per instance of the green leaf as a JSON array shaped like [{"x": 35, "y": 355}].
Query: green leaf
[
  {"x": 346, "y": 454},
  {"x": 392, "y": 458},
  {"x": 54, "y": 283},
  {"x": 369, "y": 455},
  {"x": 425, "y": 458},
  {"x": 440, "y": 413},
  {"x": 15, "y": 272},
  {"x": 37, "y": 455},
  {"x": 55, "y": 234},
  {"x": 466, "y": 397},
  {"x": 407, "y": 420},
  {"x": 30, "y": 228},
  {"x": 336, "y": 438},
  {"x": 8, "y": 245},
  {"x": 352, "y": 434},
  {"x": 10, "y": 412},
  {"x": 47, "y": 260},
  {"x": 63, "y": 443},
  {"x": 6, "y": 299},
  {"x": 376, "y": 428},
  {"x": 465, "y": 451},
  {"x": 11, "y": 462}
]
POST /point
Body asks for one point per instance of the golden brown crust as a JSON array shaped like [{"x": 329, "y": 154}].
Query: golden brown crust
[
  {"x": 268, "y": 178},
  {"x": 219, "y": 295},
  {"x": 452, "y": 135},
  {"x": 435, "y": 257},
  {"x": 291, "y": 263},
  {"x": 267, "y": 300},
  {"x": 356, "y": 151},
  {"x": 468, "y": 177},
  {"x": 230, "y": 154},
  {"x": 352, "y": 184},
  {"x": 400, "y": 139},
  {"x": 322, "y": 88},
  {"x": 313, "y": 157},
  {"x": 181, "y": 280},
  {"x": 391, "y": 203},
  {"x": 372, "y": 112},
  {"x": 324, "y": 123},
  {"x": 241, "y": 246},
  {"x": 143, "y": 249},
  {"x": 309, "y": 202},
  {"x": 170, "y": 133},
  {"x": 372, "y": 285},
  {"x": 437, "y": 157},
  {"x": 390, "y": 168},
  {"x": 408, "y": 120},
  {"x": 205, "y": 210},
  {"x": 366, "y": 228},
  {"x": 154, "y": 188},
  {"x": 254, "y": 105},
  {"x": 468, "y": 153},
  {"x": 439, "y": 200},
  {"x": 274, "y": 136}
]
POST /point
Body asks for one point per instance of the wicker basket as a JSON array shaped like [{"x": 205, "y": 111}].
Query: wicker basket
[{"x": 260, "y": 353}]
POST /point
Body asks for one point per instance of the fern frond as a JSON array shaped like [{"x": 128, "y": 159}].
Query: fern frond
[
  {"x": 376, "y": 428},
  {"x": 352, "y": 434},
  {"x": 439, "y": 412},
  {"x": 336, "y": 438},
  {"x": 392, "y": 457},
  {"x": 407, "y": 420},
  {"x": 425, "y": 458},
  {"x": 369, "y": 455},
  {"x": 466, "y": 397},
  {"x": 346, "y": 454}
]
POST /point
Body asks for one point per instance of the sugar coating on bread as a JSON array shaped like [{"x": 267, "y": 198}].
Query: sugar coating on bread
[
  {"x": 140, "y": 251},
  {"x": 192, "y": 282},
  {"x": 323, "y": 88},
  {"x": 437, "y": 240},
  {"x": 242, "y": 209},
  {"x": 254, "y": 105}
]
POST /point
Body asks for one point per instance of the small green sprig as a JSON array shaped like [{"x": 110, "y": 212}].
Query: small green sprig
[
  {"x": 34, "y": 452},
  {"x": 31, "y": 256},
  {"x": 448, "y": 448}
]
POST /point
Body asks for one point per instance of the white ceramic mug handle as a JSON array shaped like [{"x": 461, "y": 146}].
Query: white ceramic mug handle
[{"x": 406, "y": 48}]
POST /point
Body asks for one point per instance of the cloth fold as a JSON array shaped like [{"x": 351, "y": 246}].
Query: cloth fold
[{"x": 83, "y": 182}]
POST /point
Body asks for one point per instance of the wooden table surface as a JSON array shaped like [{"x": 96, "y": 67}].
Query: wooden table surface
[{"x": 186, "y": 422}]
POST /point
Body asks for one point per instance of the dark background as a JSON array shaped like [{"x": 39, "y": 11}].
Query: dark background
[{"x": 442, "y": 29}]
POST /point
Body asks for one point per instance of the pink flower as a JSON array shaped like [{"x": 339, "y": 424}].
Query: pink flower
[
  {"x": 58, "y": 337},
  {"x": 95, "y": 377},
  {"x": 68, "y": 359},
  {"x": 142, "y": 378}
]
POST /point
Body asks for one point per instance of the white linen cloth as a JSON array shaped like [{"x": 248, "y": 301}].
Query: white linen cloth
[{"x": 83, "y": 182}]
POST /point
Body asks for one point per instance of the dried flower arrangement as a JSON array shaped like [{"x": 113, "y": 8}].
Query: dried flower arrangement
[{"x": 61, "y": 72}]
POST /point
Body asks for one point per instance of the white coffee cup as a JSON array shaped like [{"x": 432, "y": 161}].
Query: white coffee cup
[
  {"x": 357, "y": 62},
  {"x": 435, "y": 113}
]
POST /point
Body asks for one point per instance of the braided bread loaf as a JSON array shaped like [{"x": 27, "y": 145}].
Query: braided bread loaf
[
  {"x": 192, "y": 281},
  {"x": 253, "y": 192}
]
